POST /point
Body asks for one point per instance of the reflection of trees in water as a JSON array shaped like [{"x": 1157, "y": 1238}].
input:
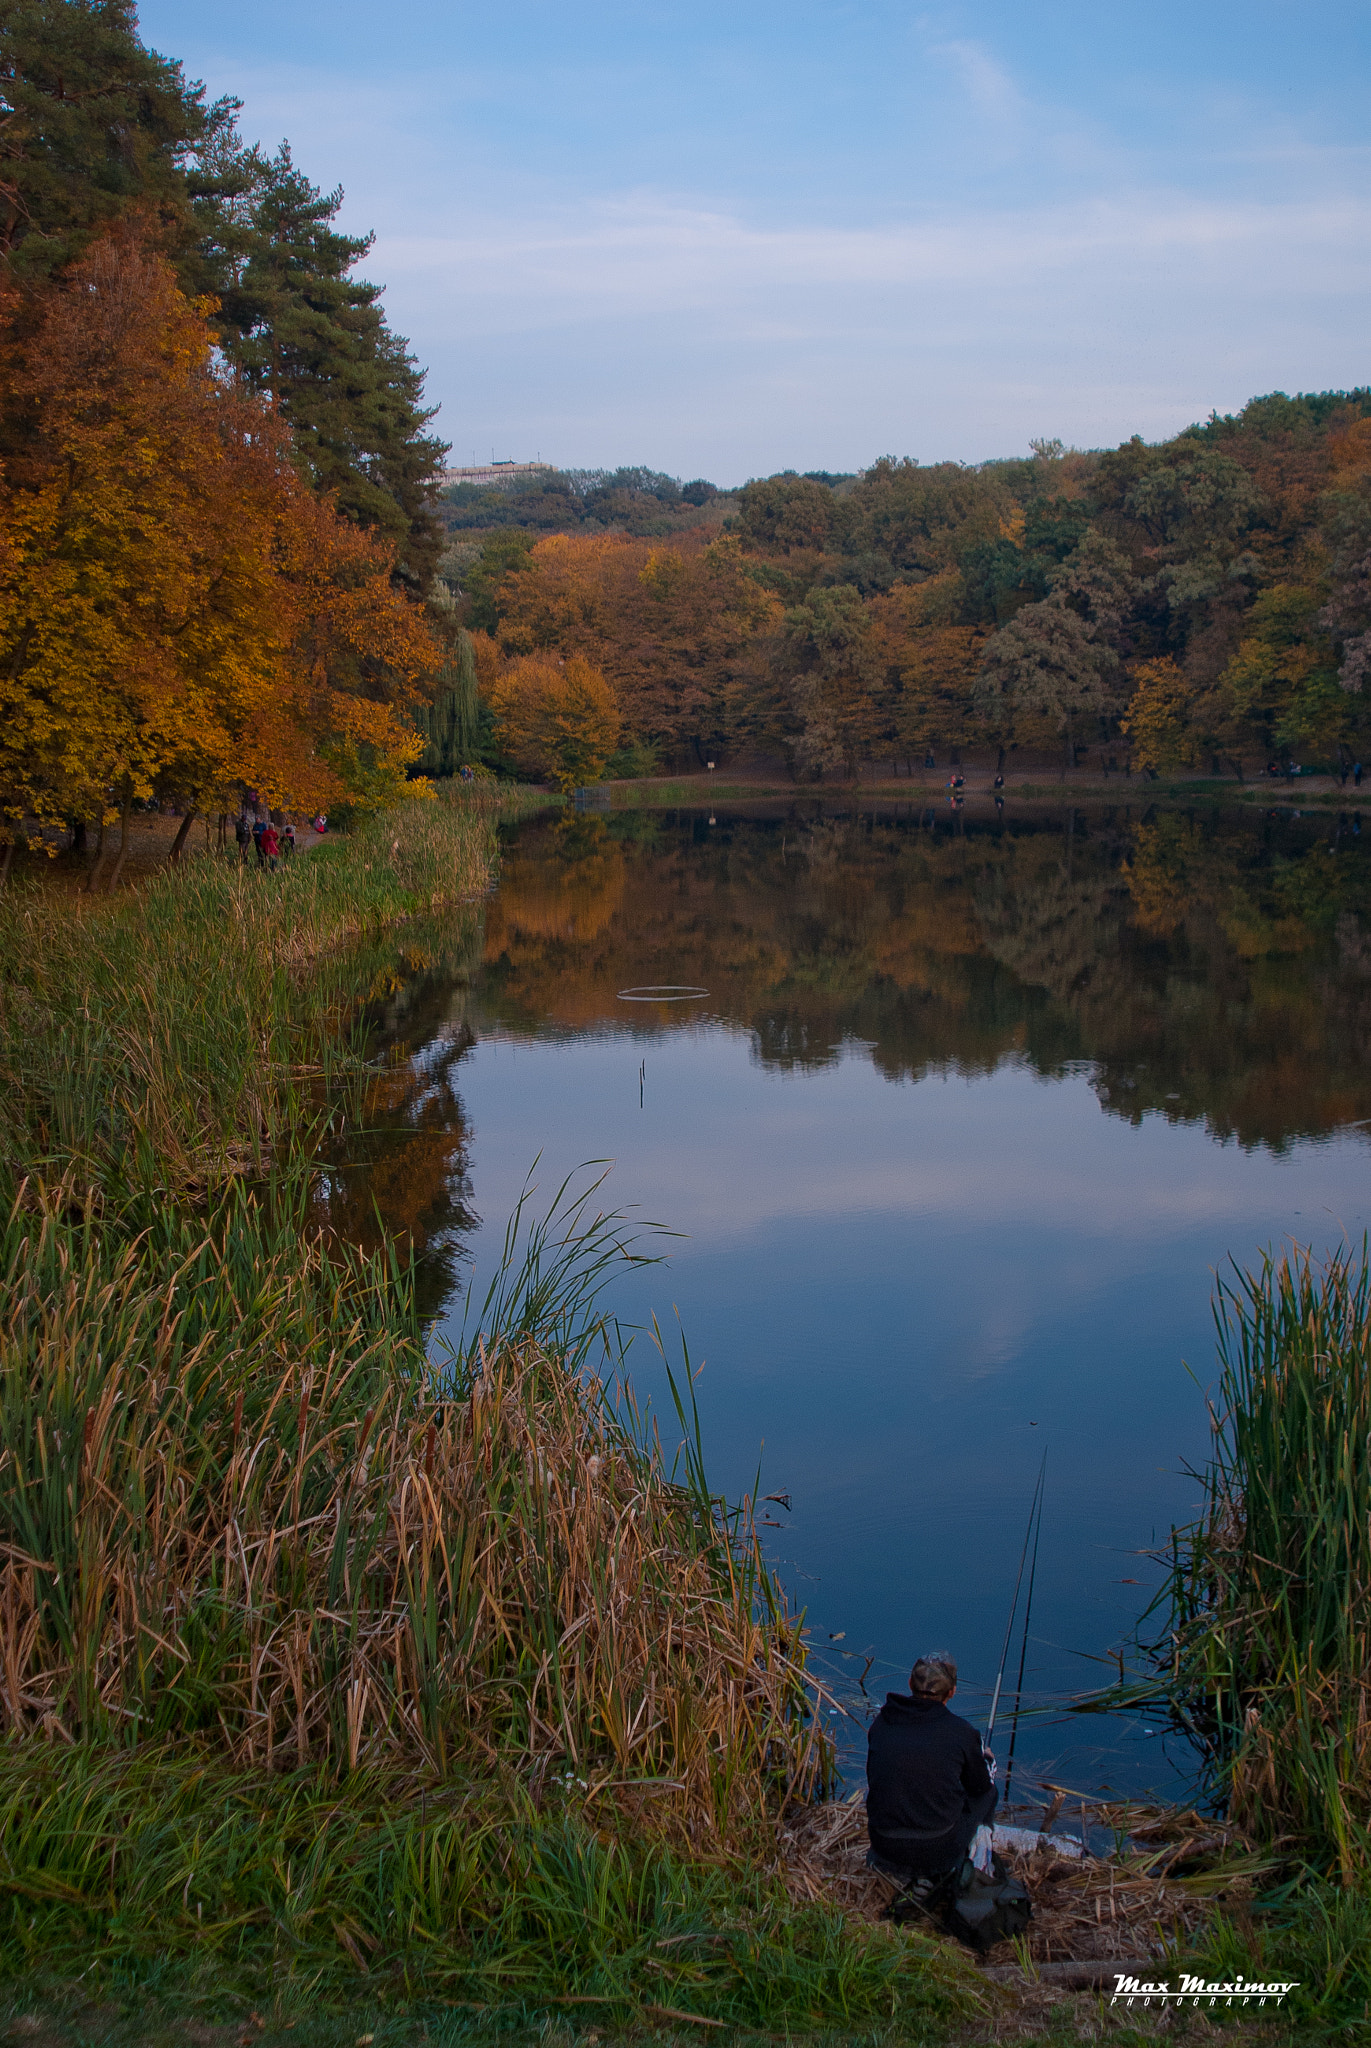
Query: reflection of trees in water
[
  {"x": 1208, "y": 968},
  {"x": 402, "y": 1147}
]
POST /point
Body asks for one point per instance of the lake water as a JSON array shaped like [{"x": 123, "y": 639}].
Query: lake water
[{"x": 969, "y": 1114}]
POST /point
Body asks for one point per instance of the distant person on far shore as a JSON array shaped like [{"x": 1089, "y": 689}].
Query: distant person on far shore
[{"x": 1356, "y": 775}]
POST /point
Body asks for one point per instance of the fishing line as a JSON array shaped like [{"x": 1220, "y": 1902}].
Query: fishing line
[
  {"x": 1014, "y": 1603},
  {"x": 1023, "y": 1650}
]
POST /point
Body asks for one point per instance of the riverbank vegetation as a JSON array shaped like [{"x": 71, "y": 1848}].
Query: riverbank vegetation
[
  {"x": 329, "y": 1660},
  {"x": 160, "y": 1043},
  {"x": 1198, "y": 603},
  {"x": 1267, "y": 1652}
]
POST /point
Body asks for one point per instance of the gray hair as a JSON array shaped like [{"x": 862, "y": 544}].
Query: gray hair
[{"x": 933, "y": 1677}]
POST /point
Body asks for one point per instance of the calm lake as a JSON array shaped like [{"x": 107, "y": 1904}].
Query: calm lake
[{"x": 969, "y": 1114}]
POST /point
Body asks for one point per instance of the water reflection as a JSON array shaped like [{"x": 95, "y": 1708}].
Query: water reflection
[
  {"x": 915, "y": 1247},
  {"x": 1212, "y": 967}
]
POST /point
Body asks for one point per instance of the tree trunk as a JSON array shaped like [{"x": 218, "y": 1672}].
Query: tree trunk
[
  {"x": 223, "y": 832},
  {"x": 5, "y": 863},
  {"x": 125, "y": 812},
  {"x": 94, "y": 868},
  {"x": 181, "y": 836}
]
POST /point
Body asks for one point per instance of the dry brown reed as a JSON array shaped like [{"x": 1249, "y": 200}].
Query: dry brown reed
[{"x": 305, "y": 1546}]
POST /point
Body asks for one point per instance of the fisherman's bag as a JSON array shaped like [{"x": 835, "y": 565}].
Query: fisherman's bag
[{"x": 986, "y": 1909}]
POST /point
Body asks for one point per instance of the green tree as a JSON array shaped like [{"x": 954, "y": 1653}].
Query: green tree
[
  {"x": 455, "y": 725},
  {"x": 303, "y": 329},
  {"x": 91, "y": 123},
  {"x": 1046, "y": 666},
  {"x": 780, "y": 514},
  {"x": 507, "y": 552},
  {"x": 837, "y": 696}
]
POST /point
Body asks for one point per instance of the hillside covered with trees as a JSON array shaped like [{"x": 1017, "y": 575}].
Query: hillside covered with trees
[{"x": 1201, "y": 603}]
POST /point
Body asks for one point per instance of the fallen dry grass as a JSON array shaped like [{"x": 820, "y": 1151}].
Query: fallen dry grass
[{"x": 1135, "y": 1908}]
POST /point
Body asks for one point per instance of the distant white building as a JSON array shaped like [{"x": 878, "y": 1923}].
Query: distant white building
[{"x": 493, "y": 472}]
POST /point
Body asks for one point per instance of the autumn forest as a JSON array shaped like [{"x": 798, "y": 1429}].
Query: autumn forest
[
  {"x": 228, "y": 561},
  {"x": 1198, "y": 605}
]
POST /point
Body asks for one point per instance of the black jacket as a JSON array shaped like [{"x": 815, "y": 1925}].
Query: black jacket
[{"x": 923, "y": 1763}]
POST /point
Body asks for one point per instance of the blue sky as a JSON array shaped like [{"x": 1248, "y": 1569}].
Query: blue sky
[{"x": 728, "y": 239}]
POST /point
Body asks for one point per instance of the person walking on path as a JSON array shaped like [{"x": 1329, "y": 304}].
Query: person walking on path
[
  {"x": 242, "y": 833},
  {"x": 270, "y": 845}
]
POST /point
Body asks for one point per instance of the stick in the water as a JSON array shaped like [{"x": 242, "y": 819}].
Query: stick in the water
[{"x": 1014, "y": 1603}]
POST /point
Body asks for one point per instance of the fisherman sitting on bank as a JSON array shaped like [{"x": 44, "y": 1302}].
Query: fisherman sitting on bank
[{"x": 929, "y": 1782}]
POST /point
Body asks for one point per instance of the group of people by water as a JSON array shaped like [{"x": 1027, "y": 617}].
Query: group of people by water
[{"x": 267, "y": 833}]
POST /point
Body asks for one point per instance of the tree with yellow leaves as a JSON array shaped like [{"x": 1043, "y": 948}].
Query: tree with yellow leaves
[
  {"x": 1157, "y": 721},
  {"x": 555, "y": 719}
]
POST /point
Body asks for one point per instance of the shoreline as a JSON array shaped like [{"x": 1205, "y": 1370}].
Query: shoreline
[{"x": 1315, "y": 793}]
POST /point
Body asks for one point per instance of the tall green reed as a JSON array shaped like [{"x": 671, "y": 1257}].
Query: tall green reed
[
  {"x": 1266, "y": 1655},
  {"x": 240, "y": 1506},
  {"x": 253, "y": 1535}
]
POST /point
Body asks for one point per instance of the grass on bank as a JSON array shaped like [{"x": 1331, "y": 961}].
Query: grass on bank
[
  {"x": 697, "y": 793},
  {"x": 164, "y": 1039}
]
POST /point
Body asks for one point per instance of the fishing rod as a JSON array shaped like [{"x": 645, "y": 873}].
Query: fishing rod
[
  {"x": 1035, "y": 1509},
  {"x": 1023, "y": 1649}
]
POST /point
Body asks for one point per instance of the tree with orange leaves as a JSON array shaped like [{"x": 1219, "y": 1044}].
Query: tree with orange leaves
[
  {"x": 931, "y": 661},
  {"x": 177, "y": 611},
  {"x": 682, "y": 634}
]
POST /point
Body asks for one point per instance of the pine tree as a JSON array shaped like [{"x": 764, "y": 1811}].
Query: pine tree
[
  {"x": 303, "y": 329},
  {"x": 94, "y": 123}
]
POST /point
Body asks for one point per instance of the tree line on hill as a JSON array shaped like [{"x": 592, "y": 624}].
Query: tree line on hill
[
  {"x": 218, "y": 536},
  {"x": 1203, "y": 603}
]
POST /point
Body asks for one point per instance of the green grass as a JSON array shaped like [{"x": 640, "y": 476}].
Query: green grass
[
  {"x": 1319, "y": 1937},
  {"x": 168, "y": 1037},
  {"x": 288, "y": 1888}
]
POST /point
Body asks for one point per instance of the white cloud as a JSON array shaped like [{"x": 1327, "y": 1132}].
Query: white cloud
[
  {"x": 1001, "y": 264},
  {"x": 986, "y": 83},
  {"x": 655, "y": 254}
]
